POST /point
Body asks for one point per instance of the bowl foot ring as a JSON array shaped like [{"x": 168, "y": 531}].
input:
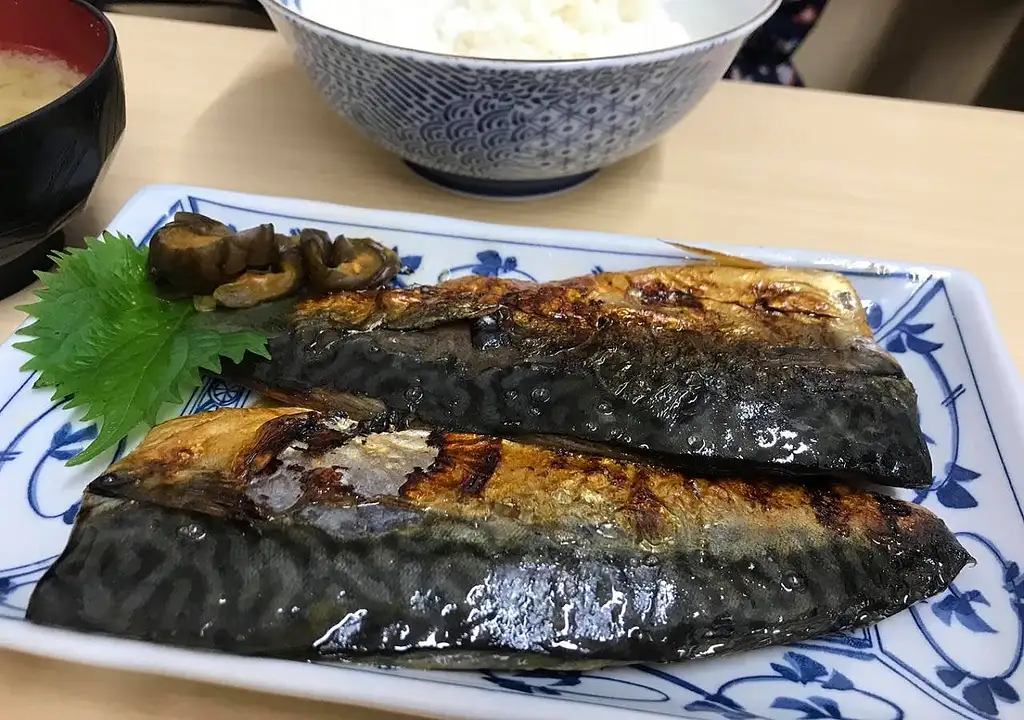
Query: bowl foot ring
[{"x": 500, "y": 189}]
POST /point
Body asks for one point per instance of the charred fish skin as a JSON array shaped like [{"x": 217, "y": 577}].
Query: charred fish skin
[
  {"x": 801, "y": 397},
  {"x": 290, "y": 533}
]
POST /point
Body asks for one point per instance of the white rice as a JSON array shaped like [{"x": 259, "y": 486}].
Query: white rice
[{"x": 509, "y": 29}]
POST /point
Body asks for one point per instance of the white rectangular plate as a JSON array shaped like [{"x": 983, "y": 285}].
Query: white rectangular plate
[{"x": 956, "y": 655}]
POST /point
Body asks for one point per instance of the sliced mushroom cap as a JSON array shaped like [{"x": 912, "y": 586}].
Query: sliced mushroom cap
[
  {"x": 316, "y": 253},
  {"x": 366, "y": 262},
  {"x": 186, "y": 256},
  {"x": 252, "y": 248},
  {"x": 256, "y": 286},
  {"x": 202, "y": 224},
  {"x": 347, "y": 263}
]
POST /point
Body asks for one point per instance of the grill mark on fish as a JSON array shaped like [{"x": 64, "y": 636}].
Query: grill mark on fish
[
  {"x": 281, "y": 432},
  {"x": 647, "y": 516},
  {"x": 829, "y": 508},
  {"x": 560, "y": 459},
  {"x": 464, "y": 463},
  {"x": 890, "y": 511},
  {"x": 484, "y": 461},
  {"x": 891, "y": 507},
  {"x": 658, "y": 292},
  {"x": 759, "y": 494}
]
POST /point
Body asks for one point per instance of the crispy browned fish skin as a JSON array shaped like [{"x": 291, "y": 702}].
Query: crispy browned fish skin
[
  {"x": 282, "y": 532},
  {"x": 714, "y": 369},
  {"x": 778, "y": 306}
]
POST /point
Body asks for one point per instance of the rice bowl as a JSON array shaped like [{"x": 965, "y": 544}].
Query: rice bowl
[{"x": 504, "y": 127}]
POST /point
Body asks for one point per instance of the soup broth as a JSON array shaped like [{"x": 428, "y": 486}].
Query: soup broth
[{"x": 30, "y": 81}]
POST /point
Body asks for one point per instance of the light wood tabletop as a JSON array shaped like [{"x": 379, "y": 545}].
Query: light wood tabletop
[{"x": 227, "y": 108}]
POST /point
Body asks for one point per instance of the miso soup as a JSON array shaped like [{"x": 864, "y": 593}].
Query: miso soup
[{"x": 30, "y": 81}]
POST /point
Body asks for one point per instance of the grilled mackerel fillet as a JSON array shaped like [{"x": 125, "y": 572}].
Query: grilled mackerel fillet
[
  {"x": 712, "y": 369},
  {"x": 290, "y": 533}
]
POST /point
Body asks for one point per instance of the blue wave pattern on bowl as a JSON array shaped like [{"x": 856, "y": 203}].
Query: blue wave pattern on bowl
[
  {"x": 499, "y": 121},
  {"x": 924, "y": 663}
]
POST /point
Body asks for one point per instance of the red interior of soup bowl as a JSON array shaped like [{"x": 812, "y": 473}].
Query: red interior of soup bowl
[{"x": 59, "y": 28}]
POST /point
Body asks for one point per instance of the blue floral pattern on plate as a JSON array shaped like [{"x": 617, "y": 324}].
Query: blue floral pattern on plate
[{"x": 956, "y": 655}]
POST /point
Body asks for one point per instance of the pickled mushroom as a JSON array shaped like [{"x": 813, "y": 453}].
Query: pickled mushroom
[
  {"x": 256, "y": 286},
  {"x": 187, "y": 256},
  {"x": 197, "y": 256},
  {"x": 256, "y": 247},
  {"x": 346, "y": 263}
]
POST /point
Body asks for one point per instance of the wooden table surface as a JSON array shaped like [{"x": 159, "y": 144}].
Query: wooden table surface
[{"x": 226, "y": 107}]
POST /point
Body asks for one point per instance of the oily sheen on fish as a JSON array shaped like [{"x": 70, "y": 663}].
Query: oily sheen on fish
[
  {"x": 296, "y": 534},
  {"x": 710, "y": 368}
]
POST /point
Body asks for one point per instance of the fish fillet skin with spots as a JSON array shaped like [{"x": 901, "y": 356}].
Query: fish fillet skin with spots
[
  {"x": 708, "y": 368},
  {"x": 291, "y": 533}
]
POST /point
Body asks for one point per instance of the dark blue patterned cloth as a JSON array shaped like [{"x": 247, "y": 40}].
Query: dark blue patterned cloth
[{"x": 767, "y": 55}]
